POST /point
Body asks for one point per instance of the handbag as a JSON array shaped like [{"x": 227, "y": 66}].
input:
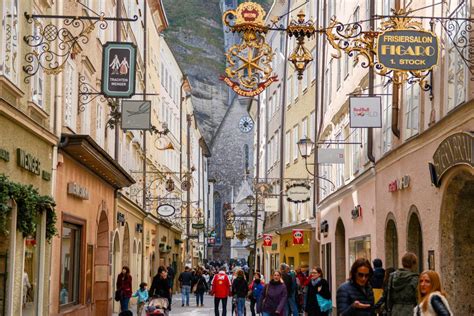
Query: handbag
[
  {"x": 324, "y": 304},
  {"x": 118, "y": 295}
]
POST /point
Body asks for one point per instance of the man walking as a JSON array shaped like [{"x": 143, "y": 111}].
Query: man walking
[
  {"x": 221, "y": 290},
  {"x": 402, "y": 287},
  {"x": 185, "y": 279},
  {"x": 290, "y": 283}
]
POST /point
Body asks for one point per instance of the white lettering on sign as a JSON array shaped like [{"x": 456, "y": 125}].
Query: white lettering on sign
[
  {"x": 76, "y": 190},
  {"x": 399, "y": 184}
]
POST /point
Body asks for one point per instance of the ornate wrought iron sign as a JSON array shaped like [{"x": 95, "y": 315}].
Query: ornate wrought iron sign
[
  {"x": 166, "y": 210},
  {"x": 118, "y": 69}
]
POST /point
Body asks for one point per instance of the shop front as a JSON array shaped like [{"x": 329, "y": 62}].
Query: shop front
[
  {"x": 295, "y": 246},
  {"x": 26, "y": 155},
  {"x": 271, "y": 253},
  {"x": 87, "y": 181},
  {"x": 151, "y": 254}
]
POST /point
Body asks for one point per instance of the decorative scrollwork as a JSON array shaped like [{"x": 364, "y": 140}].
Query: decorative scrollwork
[
  {"x": 301, "y": 29},
  {"x": 87, "y": 94},
  {"x": 461, "y": 36}
]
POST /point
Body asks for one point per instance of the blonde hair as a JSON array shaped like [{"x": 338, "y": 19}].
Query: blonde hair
[{"x": 435, "y": 287}]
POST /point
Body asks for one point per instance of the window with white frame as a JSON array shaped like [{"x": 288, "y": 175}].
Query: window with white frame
[
  {"x": 412, "y": 108},
  {"x": 296, "y": 83},
  {"x": 314, "y": 63},
  {"x": 9, "y": 40},
  {"x": 70, "y": 95},
  {"x": 289, "y": 96},
  {"x": 312, "y": 124},
  {"x": 277, "y": 98},
  {"x": 296, "y": 138},
  {"x": 346, "y": 66},
  {"x": 37, "y": 81},
  {"x": 387, "y": 118},
  {"x": 356, "y": 150},
  {"x": 304, "y": 127},
  {"x": 457, "y": 73},
  {"x": 99, "y": 125},
  {"x": 304, "y": 81},
  {"x": 339, "y": 73},
  {"x": 70, "y": 264},
  {"x": 287, "y": 147},
  {"x": 339, "y": 167}
]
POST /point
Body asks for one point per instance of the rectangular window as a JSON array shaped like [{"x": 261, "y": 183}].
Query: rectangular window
[
  {"x": 287, "y": 147},
  {"x": 346, "y": 66},
  {"x": 99, "y": 125},
  {"x": 70, "y": 98},
  {"x": 304, "y": 127},
  {"x": 314, "y": 63},
  {"x": 296, "y": 83},
  {"x": 387, "y": 118},
  {"x": 359, "y": 247},
  {"x": 339, "y": 73},
  {"x": 9, "y": 40},
  {"x": 312, "y": 124},
  {"x": 37, "y": 81},
  {"x": 304, "y": 81},
  {"x": 295, "y": 141},
  {"x": 289, "y": 97},
  {"x": 339, "y": 167},
  {"x": 355, "y": 150},
  {"x": 71, "y": 245},
  {"x": 412, "y": 106}
]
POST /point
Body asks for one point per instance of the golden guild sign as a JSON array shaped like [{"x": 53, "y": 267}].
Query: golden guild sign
[{"x": 249, "y": 69}]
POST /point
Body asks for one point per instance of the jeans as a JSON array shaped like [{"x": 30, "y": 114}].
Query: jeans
[
  {"x": 185, "y": 290},
  {"x": 199, "y": 298},
  {"x": 216, "y": 306},
  {"x": 240, "y": 306},
  {"x": 292, "y": 308},
  {"x": 266, "y": 314},
  {"x": 124, "y": 304}
]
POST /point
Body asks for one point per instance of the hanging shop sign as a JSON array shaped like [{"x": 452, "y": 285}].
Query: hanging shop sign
[
  {"x": 136, "y": 115},
  {"x": 267, "y": 240},
  {"x": 298, "y": 237},
  {"x": 229, "y": 217},
  {"x": 365, "y": 112},
  {"x": 324, "y": 228},
  {"x": 408, "y": 50},
  {"x": 118, "y": 69},
  {"x": 399, "y": 184},
  {"x": 356, "y": 212},
  {"x": 331, "y": 155},
  {"x": 197, "y": 226},
  {"x": 271, "y": 204},
  {"x": 229, "y": 232},
  {"x": 249, "y": 93},
  {"x": 4, "y": 155},
  {"x": 211, "y": 241},
  {"x": 298, "y": 193},
  {"x": 78, "y": 191},
  {"x": 166, "y": 210},
  {"x": 457, "y": 149}
]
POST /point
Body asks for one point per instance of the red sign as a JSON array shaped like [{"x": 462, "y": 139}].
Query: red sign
[
  {"x": 248, "y": 93},
  {"x": 298, "y": 237},
  {"x": 267, "y": 240}
]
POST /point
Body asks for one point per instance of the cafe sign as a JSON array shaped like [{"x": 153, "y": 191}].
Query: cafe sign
[
  {"x": 118, "y": 69},
  {"x": 408, "y": 50},
  {"x": 298, "y": 193},
  {"x": 457, "y": 149}
]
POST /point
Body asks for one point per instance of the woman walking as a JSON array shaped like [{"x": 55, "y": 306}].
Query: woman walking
[
  {"x": 431, "y": 297},
  {"x": 355, "y": 297},
  {"x": 239, "y": 291},
  {"x": 160, "y": 287},
  {"x": 124, "y": 285},
  {"x": 200, "y": 286},
  {"x": 255, "y": 291},
  {"x": 274, "y": 297},
  {"x": 317, "y": 286}
]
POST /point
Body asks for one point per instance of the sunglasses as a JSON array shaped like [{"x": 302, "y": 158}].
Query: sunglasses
[{"x": 363, "y": 275}]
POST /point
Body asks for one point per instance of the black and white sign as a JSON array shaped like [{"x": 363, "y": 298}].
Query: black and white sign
[
  {"x": 118, "y": 69},
  {"x": 298, "y": 193},
  {"x": 331, "y": 155},
  {"x": 365, "y": 112},
  {"x": 136, "y": 115},
  {"x": 166, "y": 210}
]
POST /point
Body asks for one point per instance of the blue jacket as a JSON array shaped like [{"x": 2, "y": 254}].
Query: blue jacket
[
  {"x": 257, "y": 290},
  {"x": 348, "y": 293},
  {"x": 142, "y": 295}
]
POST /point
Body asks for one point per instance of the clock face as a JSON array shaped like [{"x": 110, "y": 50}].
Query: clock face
[{"x": 245, "y": 124}]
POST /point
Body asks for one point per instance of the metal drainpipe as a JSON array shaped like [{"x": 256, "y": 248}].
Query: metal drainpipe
[
  {"x": 188, "y": 171},
  {"x": 118, "y": 36},
  {"x": 144, "y": 132},
  {"x": 257, "y": 173},
  {"x": 370, "y": 132},
  {"x": 317, "y": 86}
]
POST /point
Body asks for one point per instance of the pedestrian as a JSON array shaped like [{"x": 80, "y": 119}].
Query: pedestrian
[
  {"x": 317, "y": 286},
  {"x": 290, "y": 283},
  {"x": 160, "y": 286},
  {"x": 207, "y": 277},
  {"x": 301, "y": 282},
  {"x": 355, "y": 296},
  {"x": 200, "y": 287},
  {"x": 377, "y": 279},
  {"x": 431, "y": 297},
  {"x": 239, "y": 291},
  {"x": 221, "y": 290},
  {"x": 255, "y": 291},
  {"x": 381, "y": 304},
  {"x": 402, "y": 287},
  {"x": 274, "y": 297},
  {"x": 124, "y": 285},
  {"x": 185, "y": 280},
  {"x": 142, "y": 294},
  {"x": 171, "y": 276}
]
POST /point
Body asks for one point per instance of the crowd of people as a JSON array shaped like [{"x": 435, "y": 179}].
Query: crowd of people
[{"x": 370, "y": 290}]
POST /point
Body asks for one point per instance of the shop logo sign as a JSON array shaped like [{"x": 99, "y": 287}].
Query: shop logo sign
[
  {"x": 4, "y": 155},
  {"x": 166, "y": 210},
  {"x": 408, "y": 50},
  {"x": 399, "y": 184},
  {"x": 118, "y": 69},
  {"x": 28, "y": 161},
  {"x": 365, "y": 112},
  {"x": 267, "y": 240},
  {"x": 136, "y": 115},
  {"x": 76, "y": 190},
  {"x": 298, "y": 237}
]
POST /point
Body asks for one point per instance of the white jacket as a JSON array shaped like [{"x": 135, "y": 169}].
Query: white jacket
[{"x": 418, "y": 311}]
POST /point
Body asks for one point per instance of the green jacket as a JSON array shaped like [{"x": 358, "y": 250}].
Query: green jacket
[{"x": 402, "y": 292}]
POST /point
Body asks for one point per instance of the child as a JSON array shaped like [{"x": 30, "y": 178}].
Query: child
[{"x": 142, "y": 294}]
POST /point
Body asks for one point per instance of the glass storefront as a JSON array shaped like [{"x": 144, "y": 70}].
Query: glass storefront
[{"x": 359, "y": 247}]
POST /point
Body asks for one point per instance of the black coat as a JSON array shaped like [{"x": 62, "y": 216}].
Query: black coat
[
  {"x": 348, "y": 293},
  {"x": 377, "y": 278},
  {"x": 312, "y": 306},
  {"x": 201, "y": 284},
  {"x": 160, "y": 287},
  {"x": 240, "y": 287}
]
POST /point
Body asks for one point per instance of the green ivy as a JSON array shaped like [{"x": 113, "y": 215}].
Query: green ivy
[{"x": 30, "y": 205}]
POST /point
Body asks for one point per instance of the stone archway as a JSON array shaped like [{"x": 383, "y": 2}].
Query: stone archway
[
  {"x": 391, "y": 245},
  {"x": 340, "y": 243},
  {"x": 101, "y": 267},
  {"x": 126, "y": 247},
  {"x": 415, "y": 237},
  {"x": 457, "y": 239}
]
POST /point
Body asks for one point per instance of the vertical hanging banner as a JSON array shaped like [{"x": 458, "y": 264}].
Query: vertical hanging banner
[
  {"x": 267, "y": 240},
  {"x": 298, "y": 237},
  {"x": 118, "y": 69}
]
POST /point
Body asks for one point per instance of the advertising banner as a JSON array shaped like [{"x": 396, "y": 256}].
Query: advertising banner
[
  {"x": 331, "y": 155},
  {"x": 365, "y": 112},
  {"x": 136, "y": 115},
  {"x": 267, "y": 240},
  {"x": 118, "y": 69},
  {"x": 298, "y": 237}
]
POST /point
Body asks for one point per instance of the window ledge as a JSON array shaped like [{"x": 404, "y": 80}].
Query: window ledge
[{"x": 10, "y": 92}]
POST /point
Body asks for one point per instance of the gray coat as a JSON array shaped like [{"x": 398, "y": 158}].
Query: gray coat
[{"x": 401, "y": 295}]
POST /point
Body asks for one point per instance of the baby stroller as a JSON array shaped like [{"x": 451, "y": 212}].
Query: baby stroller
[{"x": 157, "y": 306}]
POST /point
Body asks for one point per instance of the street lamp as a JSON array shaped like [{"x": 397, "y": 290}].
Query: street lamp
[
  {"x": 250, "y": 200},
  {"x": 305, "y": 147}
]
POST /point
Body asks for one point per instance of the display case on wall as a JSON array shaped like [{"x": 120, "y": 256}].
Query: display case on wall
[{"x": 359, "y": 247}]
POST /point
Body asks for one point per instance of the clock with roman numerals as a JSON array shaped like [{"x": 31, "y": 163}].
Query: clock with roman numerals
[{"x": 245, "y": 124}]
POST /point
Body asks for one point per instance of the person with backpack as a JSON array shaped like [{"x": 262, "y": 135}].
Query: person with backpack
[
  {"x": 221, "y": 290},
  {"x": 255, "y": 291},
  {"x": 274, "y": 297}
]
